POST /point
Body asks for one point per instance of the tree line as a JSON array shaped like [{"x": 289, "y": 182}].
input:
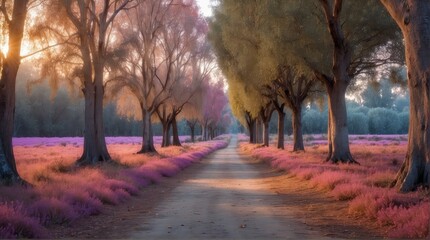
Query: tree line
[
  {"x": 151, "y": 55},
  {"x": 279, "y": 54}
]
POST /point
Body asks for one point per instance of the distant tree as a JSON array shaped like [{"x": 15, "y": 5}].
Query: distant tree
[
  {"x": 378, "y": 95},
  {"x": 358, "y": 123},
  {"x": 383, "y": 121},
  {"x": 364, "y": 110},
  {"x": 167, "y": 59},
  {"x": 404, "y": 122},
  {"x": 214, "y": 102},
  {"x": 401, "y": 104},
  {"x": 313, "y": 122}
]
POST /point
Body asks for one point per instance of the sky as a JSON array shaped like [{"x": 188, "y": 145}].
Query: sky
[{"x": 205, "y": 7}]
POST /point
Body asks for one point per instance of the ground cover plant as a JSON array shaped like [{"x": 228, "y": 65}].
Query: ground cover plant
[
  {"x": 62, "y": 193},
  {"x": 366, "y": 187}
]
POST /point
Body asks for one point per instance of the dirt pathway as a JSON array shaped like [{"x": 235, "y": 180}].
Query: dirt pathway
[
  {"x": 227, "y": 196},
  {"x": 224, "y": 200}
]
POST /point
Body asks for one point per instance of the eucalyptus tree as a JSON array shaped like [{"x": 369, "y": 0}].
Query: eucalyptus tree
[
  {"x": 412, "y": 19},
  {"x": 13, "y": 17}
]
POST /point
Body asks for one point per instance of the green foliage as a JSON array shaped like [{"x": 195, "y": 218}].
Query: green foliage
[
  {"x": 314, "y": 122},
  {"x": 358, "y": 123},
  {"x": 378, "y": 95},
  {"x": 383, "y": 121},
  {"x": 404, "y": 122},
  {"x": 254, "y": 38},
  {"x": 401, "y": 104},
  {"x": 37, "y": 114}
]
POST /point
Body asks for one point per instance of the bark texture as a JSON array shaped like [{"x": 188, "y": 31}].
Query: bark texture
[
  {"x": 297, "y": 130},
  {"x": 250, "y": 122},
  {"x": 413, "y": 18},
  {"x": 147, "y": 137},
  {"x": 336, "y": 85},
  {"x": 192, "y": 125},
  {"x": 281, "y": 134},
  {"x": 10, "y": 66},
  {"x": 175, "y": 132},
  {"x": 265, "y": 115},
  {"x": 338, "y": 135},
  {"x": 279, "y": 108},
  {"x": 92, "y": 23}
]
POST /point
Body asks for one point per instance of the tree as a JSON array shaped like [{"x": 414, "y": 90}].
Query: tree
[
  {"x": 192, "y": 70},
  {"x": 146, "y": 68},
  {"x": 294, "y": 88},
  {"x": 272, "y": 93},
  {"x": 378, "y": 95},
  {"x": 87, "y": 52},
  {"x": 383, "y": 121},
  {"x": 358, "y": 123},
  {"x": 347, "y": 64},
  {"x": 213, "y": 104},
  {"x": 332, "y": 40},
  {"x": 9, "y": 65},
  {"x": 239, "y": 50},
  {"x": 411, "y": 18}
]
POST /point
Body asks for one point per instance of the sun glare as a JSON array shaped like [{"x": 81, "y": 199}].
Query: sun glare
[
  {"x": 4, "y": 48},
  {"x": 25, "y": 48}
]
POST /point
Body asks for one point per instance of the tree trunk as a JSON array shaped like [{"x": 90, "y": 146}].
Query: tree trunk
[
  {"x": 192, "y": 126},
  {"x": 297, "y": 130},
  {"x": 166, "y": 134},
  {"x": 281, "y": 122},
  {"x": 90, "y": 153},
  {"x": 413, "y": 20},
  {"x": 8, "y": 171},
  {"x": 175, "y": 133},
  {"x": 100, "y": 130},
  {"x": 251, "y": 129},
  {"x": 203, "y": 127},
  {"x": 95, "y": 149},
  {"x": 250, "y": 122},
  {"x": 339, "y": 141},
  {"x": 266, "y": 135},
  {"x": 168, "y": 140},
  {"x": 254, "y": 132},
  {"x": 260, "y": 127},
  {"x": 147, "y": 138},
  {"x": 329, "y": 142},
  {"x": 337, "y": 84},
  {"x": 192, "y": 130}
]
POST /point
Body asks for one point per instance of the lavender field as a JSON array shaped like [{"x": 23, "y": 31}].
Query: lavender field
[{"x": 62, "y": 193}]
